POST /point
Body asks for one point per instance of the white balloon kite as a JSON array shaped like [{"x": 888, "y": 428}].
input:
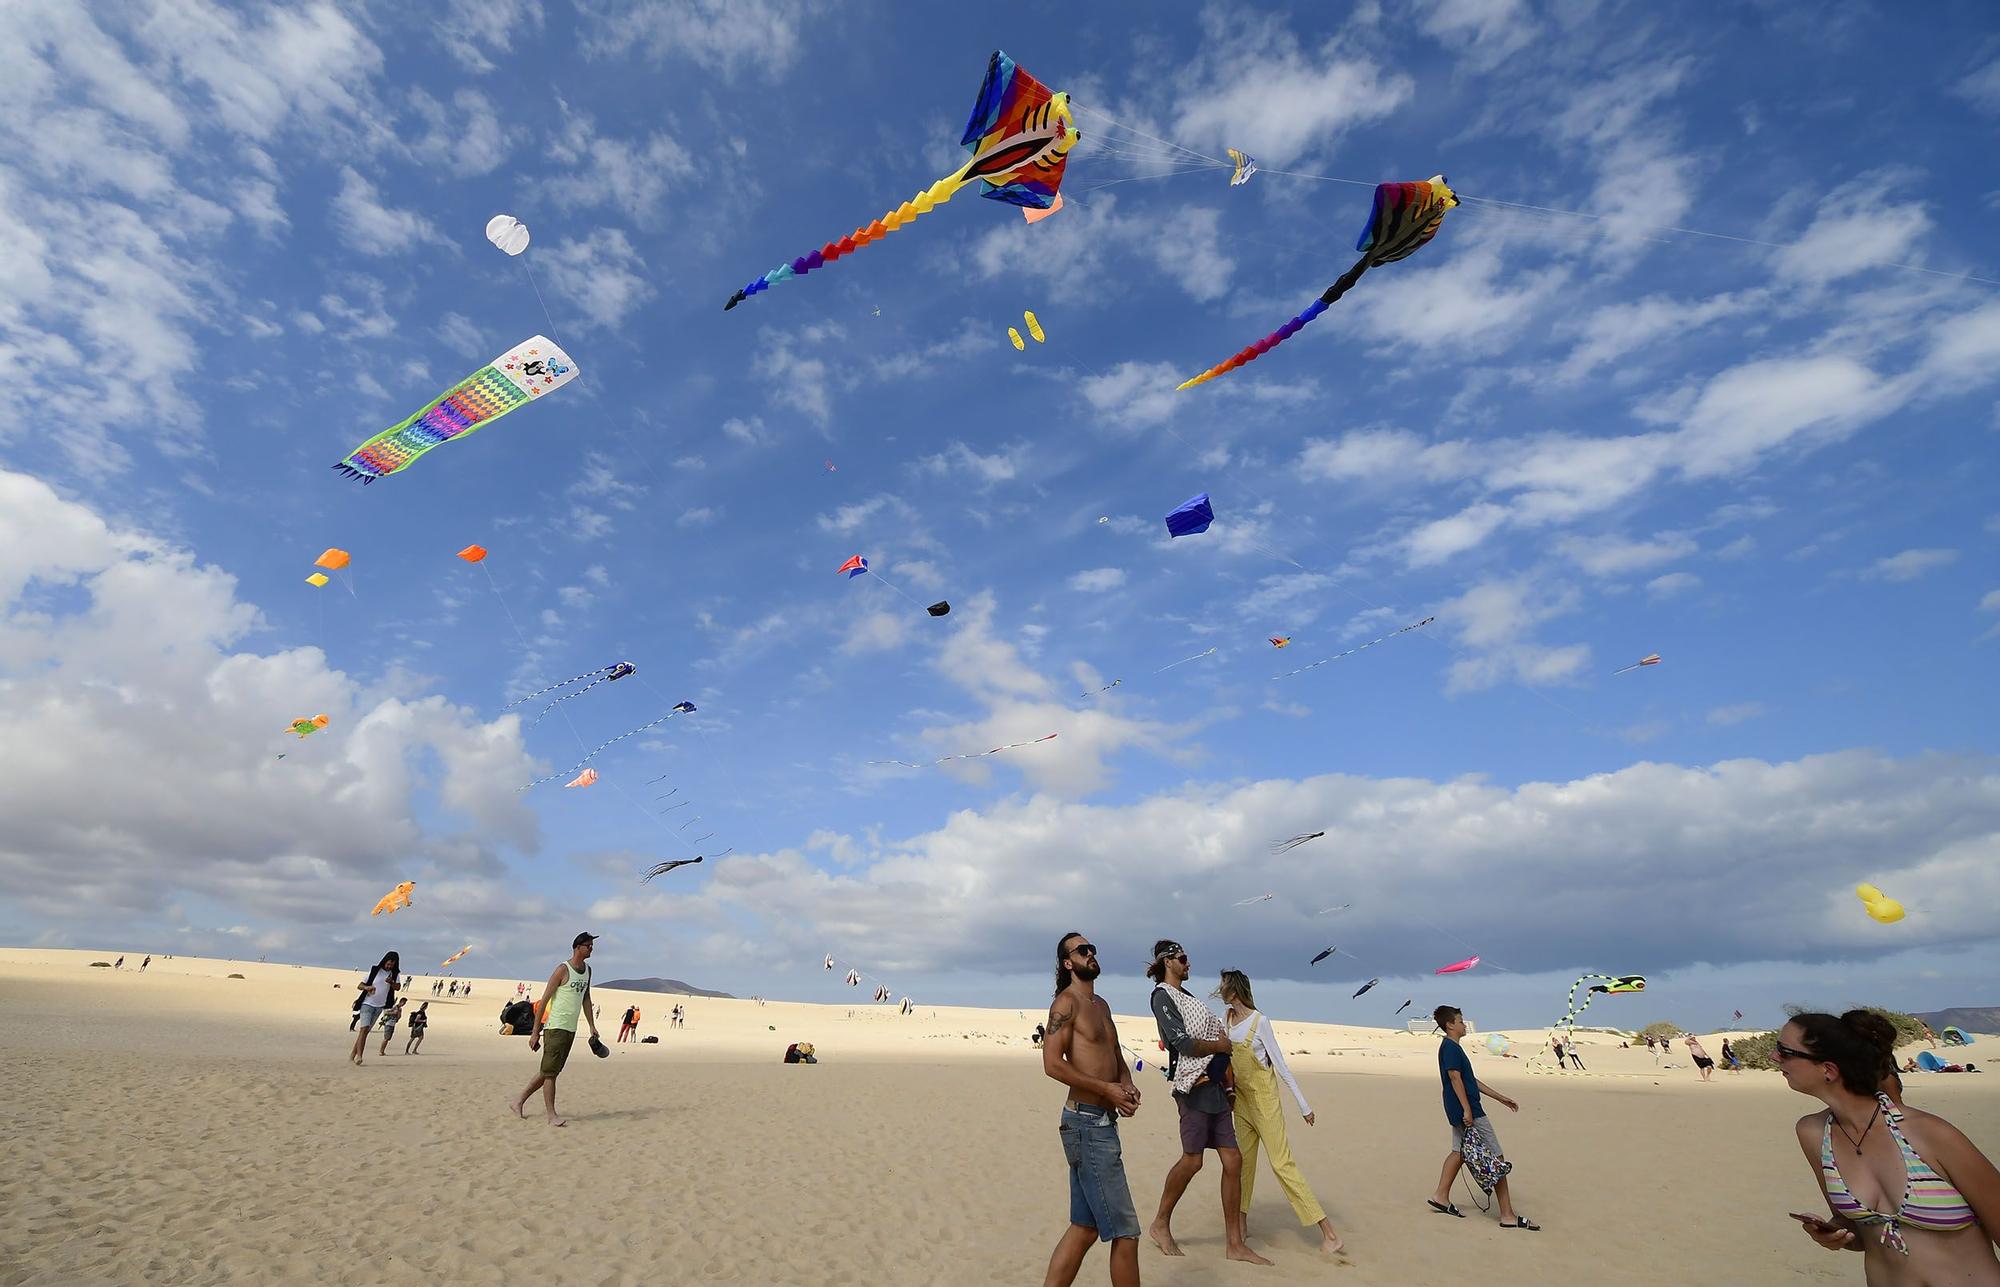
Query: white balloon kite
[{"x": 508, "y": 233}]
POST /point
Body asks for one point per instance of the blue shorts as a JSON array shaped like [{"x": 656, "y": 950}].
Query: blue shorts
[
  {"x": 1099, "y": 1197},
  {"x": 369, "y": 1013}
]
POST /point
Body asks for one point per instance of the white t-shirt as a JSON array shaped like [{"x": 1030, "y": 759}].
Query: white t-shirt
[
  {"x": 1264, "y": 1045},
  {"x": 378, "y": 992}
]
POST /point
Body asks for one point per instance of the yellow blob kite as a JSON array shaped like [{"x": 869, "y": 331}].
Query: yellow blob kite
[
  {"x": 1014, "y": 335},
  {"x": 316, "y": 579},
  {"x": 305, "y": 727},
  {"x": 397, "y": 897},
  {"x": 1881, "y": 907},
  {"x": 1034, "y": 327}
]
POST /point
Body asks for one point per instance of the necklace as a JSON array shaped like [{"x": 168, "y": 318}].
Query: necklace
[{"x": 1856, "y": 1142}]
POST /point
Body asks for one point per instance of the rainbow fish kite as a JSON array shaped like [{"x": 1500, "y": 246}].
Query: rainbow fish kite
[
  {"x": 534, "y": 367},
  {"x": 1406, "y": 215},
  {"x": 1019, "y": 136}
]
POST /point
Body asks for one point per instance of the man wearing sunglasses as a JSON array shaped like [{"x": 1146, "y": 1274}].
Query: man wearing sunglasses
[
  {"x": 1081, "y": 1050},
  {"x": 1193, "y": 1035}
]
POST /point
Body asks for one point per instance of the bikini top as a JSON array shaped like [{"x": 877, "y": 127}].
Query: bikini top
[{"x": 1929, "y": 1200}]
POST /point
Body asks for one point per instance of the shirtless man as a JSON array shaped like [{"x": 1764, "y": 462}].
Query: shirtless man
[{"x": 1082, "y": 1052}]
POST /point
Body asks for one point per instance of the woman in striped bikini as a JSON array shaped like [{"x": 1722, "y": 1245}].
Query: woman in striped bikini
[{"x": 1905, "y": 1187}]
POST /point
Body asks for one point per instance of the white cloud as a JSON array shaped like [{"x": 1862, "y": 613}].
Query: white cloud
[
  {"x": 1754, "y": 408},
  {"x": 748, "y": 430},
  {"x": 1673, "y": 583},
  {"x": 1990, "y": 602},
  {"x": 1255, "y": 84},
  {"x": 1727, "y": 715},
  {"x": 1097, "y": 580},
  {"x": 725, "y": 36},
  {"x": 471, "y": 30},
  {"x": 795, "y": 379},
  {"x": 1378, "y": 454},
  {"x": 1470, "y": 300},
  {"x": 466, "y": 141},
  {"x": 365, "y": 225},
  {"x": 1482, "y": 31},
  {"x": 1981, "y": 88},
  {"x": 144, "y": 680},
  {"x": 699, "y": 516},
  {"x": 1909, "y": 565},
  {"x": 848, "y": 519},
  {"x": 874, "y": 632},
  {"x": 1616, "y": 556},
  {"x": 1441, "y": 539},
  {"x": 1002, "y": 466},
  {"x": 601, "y": 276},
  {"x": 1810, "y": 828},
  {"x": 1643, "y": 326},
  {"x": 1496, "y": 617},
  {"x": 1076, "y": 256},
  {"x": 634, "y": 177},
  {"x": 1132, "y": 395},
  {"x": 1855, "y": 228}
]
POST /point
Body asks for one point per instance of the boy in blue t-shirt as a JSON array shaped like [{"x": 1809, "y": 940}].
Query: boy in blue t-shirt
[{"x": 1463, "y": 1109}]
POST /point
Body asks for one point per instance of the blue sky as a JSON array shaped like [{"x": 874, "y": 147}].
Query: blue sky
[{"x": 246, "y": 240}]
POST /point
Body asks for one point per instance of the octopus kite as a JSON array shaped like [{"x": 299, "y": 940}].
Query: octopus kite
[
  {"x": 1019, "y": 136},
  {"x": 1406, "y": 216}
]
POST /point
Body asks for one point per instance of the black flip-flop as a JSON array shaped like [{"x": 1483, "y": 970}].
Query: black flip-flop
[
  {"x": 1522, "y": 1222},
  {"x": 1445, "y": 1208}
]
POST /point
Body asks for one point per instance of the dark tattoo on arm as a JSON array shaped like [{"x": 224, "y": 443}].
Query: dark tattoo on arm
[{"x": 1057, "y": 1018}]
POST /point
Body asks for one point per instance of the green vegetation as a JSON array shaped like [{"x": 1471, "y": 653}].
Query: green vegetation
[
  {"x": 1760, "y": 1051},
  {"x": 1662, "y": 1031}
]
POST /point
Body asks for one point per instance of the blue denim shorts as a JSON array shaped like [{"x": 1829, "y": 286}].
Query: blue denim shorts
[
  {"x": 369, "y": 1014},
  {"x": 1099, "y": 1197}
]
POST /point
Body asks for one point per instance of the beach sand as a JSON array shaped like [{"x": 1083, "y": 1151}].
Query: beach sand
[{"x": 182, "y": 1126}]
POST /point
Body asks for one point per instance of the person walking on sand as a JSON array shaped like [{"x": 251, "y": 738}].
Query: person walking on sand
[
  {"x": 143, "y": 964},
  {"x": 1904, "y": 1187},
  {"x": 1464, "y": 1109},
  {"x": 419, "y": 1022},
  {"x": 1729, "y": 1060},
  {"x": 565, "y": 1000},
  {"x": 378, "y": 993},
  {"x": 120, "y": 965},
  {"x": 387, "y": 1023},
  {"x": 1083, "y": 1053},
  {"x": 1702, "y": 1062},
  {"x": 1192, "y": 1035},
  {"x": 1259, "y": 1063},
  {"x": 625, "y": 1024},
  {"x": 1569, "y": 1048}
]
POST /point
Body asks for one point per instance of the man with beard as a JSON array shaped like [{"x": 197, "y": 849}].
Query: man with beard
[
  {"x": 1193, "y": 1036},
  {"x": 1081, "y": 1051}
]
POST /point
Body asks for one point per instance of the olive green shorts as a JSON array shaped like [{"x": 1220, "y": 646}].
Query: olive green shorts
[{"x": 555, "y": 1049}]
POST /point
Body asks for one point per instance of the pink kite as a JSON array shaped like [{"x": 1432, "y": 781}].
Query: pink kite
[
  {"x": 589, "y": 778},
  {"x": 1457, "y": 967}
]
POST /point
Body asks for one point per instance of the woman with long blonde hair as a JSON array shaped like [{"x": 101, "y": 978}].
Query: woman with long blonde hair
[{"x": 1259, "y": 1064}]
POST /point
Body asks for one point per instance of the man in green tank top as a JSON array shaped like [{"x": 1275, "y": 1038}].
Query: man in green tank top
[{"x": 564, "y": 1001}]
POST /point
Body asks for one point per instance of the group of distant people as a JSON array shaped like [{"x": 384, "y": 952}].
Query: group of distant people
[{"x": 456, "y": 989}]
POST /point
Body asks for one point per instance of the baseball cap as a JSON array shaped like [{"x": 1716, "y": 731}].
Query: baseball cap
[{"x": 581, "y": 939}]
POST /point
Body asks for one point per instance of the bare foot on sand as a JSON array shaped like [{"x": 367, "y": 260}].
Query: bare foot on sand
[
  {"x": 1163, "y": 1238},
  {"x": 1330, "y": 1245},
  {"x": 1244, "y": 1254},
  {"x": 557, "y": 1121},
  {"x": 515, "y": 1104}
]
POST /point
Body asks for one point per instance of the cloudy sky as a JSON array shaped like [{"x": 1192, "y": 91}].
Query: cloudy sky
[{"x": 1571, "y": 430}]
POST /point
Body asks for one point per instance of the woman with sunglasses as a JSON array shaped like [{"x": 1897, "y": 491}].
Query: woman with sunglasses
[{"x": 1905, "y": 1187}]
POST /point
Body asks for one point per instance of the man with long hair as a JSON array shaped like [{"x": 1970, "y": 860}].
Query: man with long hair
[
  {"x": 378, "y": 993},
  {"x": 1082, "y": 1052}
]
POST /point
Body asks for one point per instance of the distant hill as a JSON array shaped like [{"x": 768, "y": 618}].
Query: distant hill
[
  {"x": 1971, "y": 1018},
  {"x": 663, "y": 985}
]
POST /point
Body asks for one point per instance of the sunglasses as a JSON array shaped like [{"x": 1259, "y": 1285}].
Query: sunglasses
[
  {"x": 1084, "y": 949},
  {"x": 1783, "y": 1051}
]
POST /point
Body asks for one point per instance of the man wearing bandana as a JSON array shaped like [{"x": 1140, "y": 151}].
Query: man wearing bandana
[{"x": 1193, "y": 1035}]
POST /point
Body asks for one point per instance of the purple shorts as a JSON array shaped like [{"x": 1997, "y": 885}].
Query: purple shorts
[{"x": 1201, "y": 1130}]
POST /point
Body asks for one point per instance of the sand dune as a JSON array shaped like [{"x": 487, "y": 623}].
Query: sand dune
[{"x": 183, "y": 1126}]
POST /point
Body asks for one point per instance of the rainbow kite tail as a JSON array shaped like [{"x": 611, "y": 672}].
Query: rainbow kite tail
[
  {"x": 1285, "y": 332},
  {"x": 935, "y": 195}
]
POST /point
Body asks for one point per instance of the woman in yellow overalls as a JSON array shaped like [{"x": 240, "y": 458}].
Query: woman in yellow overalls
[{"x": 1259, "y": 1063}]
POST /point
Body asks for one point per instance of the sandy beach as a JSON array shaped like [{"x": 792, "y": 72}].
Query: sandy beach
[{"x": 185, "y": 1126}]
